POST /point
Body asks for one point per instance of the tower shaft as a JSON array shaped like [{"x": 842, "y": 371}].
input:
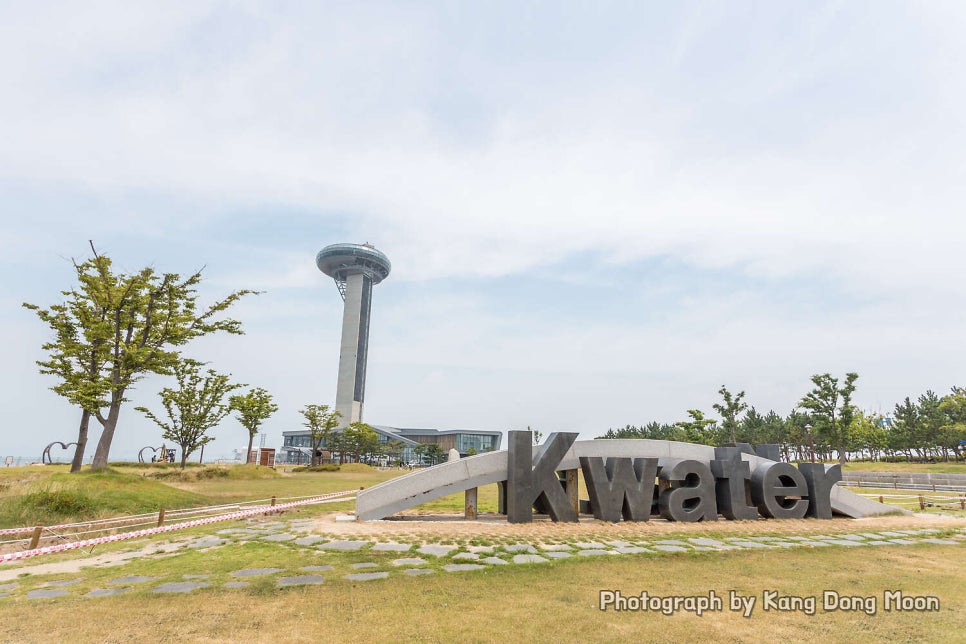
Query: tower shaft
[{"x": 351, "y": 387}]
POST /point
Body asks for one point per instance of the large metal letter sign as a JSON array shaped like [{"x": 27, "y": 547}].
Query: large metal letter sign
[
  {"x": 530, "y": 478},
  {"x": 623, "y": 487}
]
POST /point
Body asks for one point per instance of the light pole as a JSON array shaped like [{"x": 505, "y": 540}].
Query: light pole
[{"x": 811, "y": 443}]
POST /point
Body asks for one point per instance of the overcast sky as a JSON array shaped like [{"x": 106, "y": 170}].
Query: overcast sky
[{"x": 597, "y": 214}]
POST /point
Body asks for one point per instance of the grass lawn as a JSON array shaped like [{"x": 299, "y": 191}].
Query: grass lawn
[{"x": 539, "y": 603}]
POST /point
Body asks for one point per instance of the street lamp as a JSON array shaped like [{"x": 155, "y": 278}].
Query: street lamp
[{"x": 811, "y": 443}]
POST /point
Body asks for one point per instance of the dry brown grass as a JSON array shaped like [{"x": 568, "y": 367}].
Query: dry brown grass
[{"x": 534, "y": 604}]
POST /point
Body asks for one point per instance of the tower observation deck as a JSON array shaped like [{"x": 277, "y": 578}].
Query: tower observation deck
[{"x": 356, "y": 268}]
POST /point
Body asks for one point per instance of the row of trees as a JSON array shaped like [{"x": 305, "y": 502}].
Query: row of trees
[
  {"x": 114, "y": 328},
  {"x": 826, "y": 423}
]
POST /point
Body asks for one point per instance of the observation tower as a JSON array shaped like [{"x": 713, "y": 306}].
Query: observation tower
[{"x": 356, "y": 268}]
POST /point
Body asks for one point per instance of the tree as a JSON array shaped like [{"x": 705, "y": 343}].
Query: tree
[
  {"x": 113, "y": 329},
  {"x": 729, "y": 411},
  {"x": 429, "y": 452},
  {"x": 320, "y": 421},
  {"x": 953, "y": 431},
  {"x": 197, "y": 405},
  {"x": 537, "y": 435},
  {"x": 831, "y": 406},
  {"x": 698, "y": 429},
  {"x": 360, "y": 440},
  {"x": 253, "y": 409}
]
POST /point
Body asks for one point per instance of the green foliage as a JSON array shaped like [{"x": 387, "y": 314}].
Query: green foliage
[
  {"x": 196, "y": 406},
  {"x": 253, "y": 409},
  {"x": 113, "y": 328},
  {"x": 831, "y": 407},
  {"x": 729, "y": 410},
  {"x": 361, "y": 441},
  {"x": 429, "y": 453},
  {"x": 320, "y": 421}
]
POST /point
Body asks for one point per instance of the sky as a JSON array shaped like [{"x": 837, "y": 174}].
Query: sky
[{"x": 597, "y": 213}]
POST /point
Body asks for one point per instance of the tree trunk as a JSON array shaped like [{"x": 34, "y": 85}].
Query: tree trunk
[
  {"x": 104, "y": 444},
  {"x": 78, "y": 460},
  {"x": 184, "y": 456},
  {"x": 248, "y": 454}
]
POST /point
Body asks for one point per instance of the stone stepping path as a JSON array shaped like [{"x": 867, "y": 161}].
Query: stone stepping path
[
  {"x": 299, "y": 580},
  {"x": 409, "y": 561},
  {"x": 527, "y": 559},
  {"x": 494, "y": 561},
  {"x": 104, "y": 592},
  {"x": 255, "y": 572},
  {"x": 61, "y": 582},
  {"x": 392, "y": 547},
  {"x": 284, "y": 536},
  {"x": 316, "y": 568},
  {"x": 462, "y": 567},
  {"x": 435, "y": 550},
  {"x": 45, "y": 594},
  {"x": 343, "y": 545},
  {"x": 419, "y": 571},
  {"x": 365, "y": 564},
  {"x": 367, "y": 576},
  {"x": 180, "y": 587},
  {"x": 133, "y": 579},
  {"x": 308, "y": 541},
  {"x": 591, "y": 552}
]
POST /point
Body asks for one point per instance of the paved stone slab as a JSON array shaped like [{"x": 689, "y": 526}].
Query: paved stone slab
[
  {"x": 462, "y": 567},
  {"x": 752, "y": 544},
  {"x": 255, "y": 572},
  {"x": 520, "y": 547},
  {"x": 435, "y": 550},
  {"x": 892, "y": 534},
  {"x": 195, "y": 576},
  {"x": 843, "y": 542},
  {"x": 494, "y": 561},
  {"x": 316, "y": 568},
  {"x": 785, "y": 544},
  {"x": 104, "y": 592},
  {"x": 557, "y": 555},
  {"x": 408, "y": 561},
  {"x": 870, "y": 535},
  {"x": 46, "y": 594},
  {"x": 700, "y": 548},
  {"x": 230, "y": 531},
  {"x": 630, "y": 550},
  {"x": 284, "y": 536},
  {"x": 365, "y": 564},
  {"x": 472, "y": 556},
  {"x": 180, "y": 587},
  {"x": 343, "y": 545},
  {"x": 392, "y": 547},
  {"x": 8, "y": 586},
  {"x": 588, "y": 545},
  {"x": 132, "y": 579},
  {"x": 207, "y": 542},
  {"x": 815, "y": 543},
  {"x": 367, "y": 576},
  {"x": 728, "y": 547},
  {"x": 667, "y": 547},
  {"x": 620, "y": 544},
  {"x": 852, "y": 537},
  {"x": 311, "y": 540},
  {"x": 62, "y": 582},
  {"x": 878, "y": 542},
  {"x": 672, "y": 542},
  {"x": 418, "y": 571},
  {"x": 237, "y": 584},
  {"x": 480, "y": 549},
  {"x": 2, "y": 595},
  {"x": 940, "y": 541},
  {"x": 703, "y": 541},
  {"x": 902, "y": 542},
  {"x": 560, "y": 547},
  {"x": 301, "y": 580},
  {"x": 525, "y": 559},
  {"x": 591, "y": 552}
]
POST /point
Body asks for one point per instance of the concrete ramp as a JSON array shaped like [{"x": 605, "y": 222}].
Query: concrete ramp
[{"x": 422, "y": 486}]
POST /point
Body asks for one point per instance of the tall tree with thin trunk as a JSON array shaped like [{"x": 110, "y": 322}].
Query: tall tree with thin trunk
[
  {"x": 196, "y": 406},
  {"x": 113, "y": 329},
  {"x": 729, "y": 411},
  {"x": 831, "y": 406},
  {"x": 320, "y": 421},
  {"x": 253, "y": 409}
]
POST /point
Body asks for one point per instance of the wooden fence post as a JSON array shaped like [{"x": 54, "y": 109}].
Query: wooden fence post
[
  {"x": 35, "y": 537},
  {"x": 160, "y": 517},
  {"x": 922, "y": 503}
]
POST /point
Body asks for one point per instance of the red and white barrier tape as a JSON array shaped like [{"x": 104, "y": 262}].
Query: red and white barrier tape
[{"x": 62, "y": 547}]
